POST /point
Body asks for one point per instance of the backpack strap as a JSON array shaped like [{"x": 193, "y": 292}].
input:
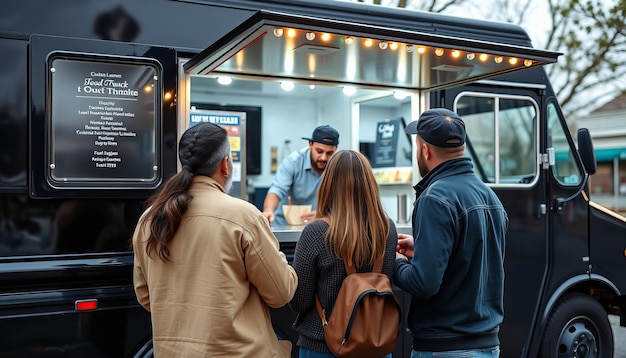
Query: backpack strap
[{"x": 320, "y": 310}]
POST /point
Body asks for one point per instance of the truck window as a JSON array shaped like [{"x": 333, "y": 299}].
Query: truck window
[
  {"x": 502, "y": 136},
  {"x": 565, "y": 169}
]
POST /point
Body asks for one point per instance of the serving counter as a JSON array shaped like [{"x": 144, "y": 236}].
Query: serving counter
[{"x": 288, "y": 236}]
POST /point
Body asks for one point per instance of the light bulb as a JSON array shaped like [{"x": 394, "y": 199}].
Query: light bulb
[
  {"x": 470, "y": 56},
  {"x": 483, "y": 57},
  {"x": 349, "y": 40},
  {"x": 278, "y": 32},
  {"x": 528, "y": 63},
  {"x": 400, "y": 95},
  {"x": 393, "y": 46},
  {"x": 421, "y": 49},
  {"x": 326, "y": 36},
  {"x": 455, "y": 53},
  {"x": 287, "y": 85},
  {"x": 383, "y": 45},
  {"x": 368, "y": 43},
  {"x": 291, "y": 33},
  {"x": 439, "y": 51},
  {"x": 310, "y": 36},
  {"x": 498, "y": 59},
  {"x": 513, "y": 60},
  {"x": 349, "y": 90},
  {"x": 223, "y": 80}
]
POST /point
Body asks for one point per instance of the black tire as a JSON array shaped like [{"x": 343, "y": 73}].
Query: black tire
[
  {"x": 578, "y": 327},
  {"x": 146, "y": 351}
]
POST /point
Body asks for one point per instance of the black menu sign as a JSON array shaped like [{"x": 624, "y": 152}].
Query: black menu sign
[
  {"x": 386, "y": 144},
  {"x": 104, "y": 121}
]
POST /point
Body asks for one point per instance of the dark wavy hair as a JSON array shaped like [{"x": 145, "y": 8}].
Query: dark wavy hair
[{"x": 200, "y": 151}]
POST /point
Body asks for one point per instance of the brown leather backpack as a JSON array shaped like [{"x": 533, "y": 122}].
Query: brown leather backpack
[{"x": 366, "y": 317}]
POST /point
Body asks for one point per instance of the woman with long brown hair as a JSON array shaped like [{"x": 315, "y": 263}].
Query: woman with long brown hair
[
  {"x": 352, "y": 227},
  {"x": 207, "y": 265}
]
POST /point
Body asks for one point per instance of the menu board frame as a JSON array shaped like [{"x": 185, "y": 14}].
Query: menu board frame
[{"x": 103, "y": 121}]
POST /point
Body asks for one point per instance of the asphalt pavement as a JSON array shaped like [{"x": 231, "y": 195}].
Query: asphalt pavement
[{"x": 619, "y": 334}]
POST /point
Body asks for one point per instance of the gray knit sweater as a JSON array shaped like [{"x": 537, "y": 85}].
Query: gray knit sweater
[{"x": 319, "y": 271}]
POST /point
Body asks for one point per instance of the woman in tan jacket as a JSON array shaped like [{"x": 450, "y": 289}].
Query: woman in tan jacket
[{"x": 207, "y": 265}]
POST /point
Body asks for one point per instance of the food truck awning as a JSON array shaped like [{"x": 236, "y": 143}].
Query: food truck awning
[{"x": 299, "y": 48}]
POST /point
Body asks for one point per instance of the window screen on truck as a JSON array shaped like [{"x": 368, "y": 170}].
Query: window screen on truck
[{"x": 501, "y": 136}]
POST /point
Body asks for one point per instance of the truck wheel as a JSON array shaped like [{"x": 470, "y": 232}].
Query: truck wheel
[
  {"x": 146, "y": 351},
  {"x": 578, "y": 327}
]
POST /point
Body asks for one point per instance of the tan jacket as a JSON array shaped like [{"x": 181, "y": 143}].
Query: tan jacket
[{"x": 225, "y": 269}]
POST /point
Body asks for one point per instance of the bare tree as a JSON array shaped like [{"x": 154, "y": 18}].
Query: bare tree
[
  {"x": 424, "y": 5},
  {"x": 591, "y": 34}
]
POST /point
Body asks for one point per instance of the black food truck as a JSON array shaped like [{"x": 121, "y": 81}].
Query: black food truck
[{"x": 95, "y": 94}]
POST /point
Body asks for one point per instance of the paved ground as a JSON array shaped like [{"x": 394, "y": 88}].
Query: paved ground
[{"x": 619, "y": 333}]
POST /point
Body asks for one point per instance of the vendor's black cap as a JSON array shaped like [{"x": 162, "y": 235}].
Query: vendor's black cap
[
  {"x": 325, "y": 135},
  {"x": 440, "y": 127}
]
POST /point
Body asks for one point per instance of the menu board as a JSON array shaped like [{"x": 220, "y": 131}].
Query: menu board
[
  {"x": 386, "y": 143},
  {"x": 103, "y": 120}
]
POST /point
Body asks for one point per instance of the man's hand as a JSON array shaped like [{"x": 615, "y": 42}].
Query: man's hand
[
  {"x": 405, "y": 246},
  {"x": 269, "y": 215},
  {"x": 310, "y": 216}
]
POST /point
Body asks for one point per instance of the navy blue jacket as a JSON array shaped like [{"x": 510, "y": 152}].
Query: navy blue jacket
[{"x": 456, "y": 277}]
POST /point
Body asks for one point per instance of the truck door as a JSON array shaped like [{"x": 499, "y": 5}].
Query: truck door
[{"x": 503, "y": 142}]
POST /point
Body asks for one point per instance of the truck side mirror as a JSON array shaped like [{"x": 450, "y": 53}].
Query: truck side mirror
[{"x": 585, "y": 150}]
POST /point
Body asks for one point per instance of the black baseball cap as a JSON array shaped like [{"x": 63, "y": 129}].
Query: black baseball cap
[
  {"x": 326, "y": 135},
  {"x": 440, "y": 127}
]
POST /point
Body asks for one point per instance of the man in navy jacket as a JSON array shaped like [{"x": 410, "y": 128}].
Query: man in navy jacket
[{"x": 453, "y": 266}]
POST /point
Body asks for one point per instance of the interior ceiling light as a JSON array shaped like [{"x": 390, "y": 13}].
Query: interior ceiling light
[
  {"x": 310, "y": 36},
  {"x": 287, "y": 85},
  {"x": 223, "y": 80},
  {"x": 383, "y": 45},
  {"x": 349, "y": 90},
  {"x": 349, "y": 40},
  {"x": 400, "y": 95},
  {"x": 278, "y": 32}
]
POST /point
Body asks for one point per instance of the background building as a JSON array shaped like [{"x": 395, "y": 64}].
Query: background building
[{"x": 607, "y": 126}]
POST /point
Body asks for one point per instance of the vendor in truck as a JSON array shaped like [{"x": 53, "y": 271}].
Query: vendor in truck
[{"x": 299, "y": 176}]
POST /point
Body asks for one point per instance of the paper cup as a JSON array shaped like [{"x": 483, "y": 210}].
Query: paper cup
[{"x": 293, "y": 213}]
